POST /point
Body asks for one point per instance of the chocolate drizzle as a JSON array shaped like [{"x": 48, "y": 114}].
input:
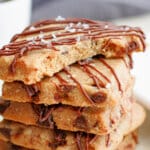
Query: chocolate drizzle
[
  {"x": 32, "y": 91},
  {"x": 135, "y": 137},
  {"x": 64, "y": 87},
  {"x": 59, "y": 139},
  {"x": 131, "y": 61},
  {"x": 85, "y": 66},
  {"x": 78, "y": 141},
  {"x": 60, "y": 136},
  {"x": 83, "y": 140},
  {"x": 97, "y": 81},
  {"x": 125, "y": 62},
  {"x": 130, "y": 64},
  {"x": 113, "y": 72},
  {"x": 108, "y": 140},
  {"x": 45, "y": 115},
  {"x": 100, "y": 73},
  {"x": 60, "y": 79},
  {"x": 94, "y": 30},
  {"x": 80, "y": 86}
]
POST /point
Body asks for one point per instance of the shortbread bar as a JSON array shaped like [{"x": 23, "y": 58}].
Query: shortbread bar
[
  {"x": 94, "y": 82},
  {"x": 88, "y": 119},
  {"x": 45, "y": 139},
  {"x": 47, "y": 47}
]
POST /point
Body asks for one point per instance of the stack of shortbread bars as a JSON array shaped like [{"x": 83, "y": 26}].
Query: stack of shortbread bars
[{"x": 68, "y": 86}]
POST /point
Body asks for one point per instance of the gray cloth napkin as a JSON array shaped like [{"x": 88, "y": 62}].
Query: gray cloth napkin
[{"x": 95, "y": 9}]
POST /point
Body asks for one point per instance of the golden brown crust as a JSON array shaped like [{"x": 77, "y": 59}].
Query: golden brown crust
[
  {"x": 113, "y": 85},
  {"x": 33, "y": 55},
  {"x": 41, "y": 138}
]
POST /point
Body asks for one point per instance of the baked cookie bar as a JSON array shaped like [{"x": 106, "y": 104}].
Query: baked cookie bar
[
  {"x": 88, "y": 119},
  {"x": 45, "y": 139},
  {"x": 94, "y": 82},
  {"x": 47, "y": 47},
  {"x": 128, "y": 143}
]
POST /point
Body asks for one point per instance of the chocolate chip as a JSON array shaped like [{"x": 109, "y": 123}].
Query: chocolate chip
[
  {"x": 81, "y": 122},
  {"x": 132, "y": 45},
  {"x": 5, "y": 132},
  {"x": 66, "y": 88},
  {"x": 63, "y": 91},
  {"x": 79, "y": 142},
  {"x": 59, "y": 139},
  {"x": 3, "y": 106},
  {"x": 98, "y": 97}
]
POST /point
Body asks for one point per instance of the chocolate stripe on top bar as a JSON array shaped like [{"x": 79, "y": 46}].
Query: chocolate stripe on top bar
[{"x": 71, "y": 30}]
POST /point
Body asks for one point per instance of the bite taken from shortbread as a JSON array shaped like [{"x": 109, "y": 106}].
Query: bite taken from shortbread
[{"x": 47, "y": 47}]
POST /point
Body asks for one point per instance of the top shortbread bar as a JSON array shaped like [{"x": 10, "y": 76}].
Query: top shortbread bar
[{"x": 46, "y": 47}]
